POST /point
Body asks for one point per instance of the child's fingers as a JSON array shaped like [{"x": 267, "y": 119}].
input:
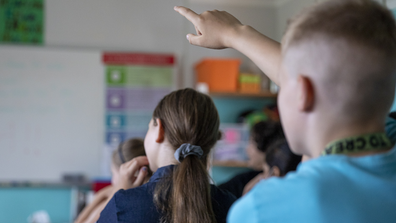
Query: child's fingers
[
  {"x": 193, "y": 39},
  {"x": 137, "y": 163},
  {"x": 131, "y": 167},
  {"x": 128, "y": 178},
  {"x": 141, "y": 177},
  {"x": 140, "y": 160},
  {"x": 188, "y": 13}
]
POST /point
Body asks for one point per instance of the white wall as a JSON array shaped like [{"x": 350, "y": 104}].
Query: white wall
[
  {"x": 153, "y": 26},
  {"x": 291, "y": 8},
  {"x": 391, "y": 4},
  {"x": 287, "y": 11},
  {"x": 140, "y": 25},
  {"x": 143, "y": 26}
]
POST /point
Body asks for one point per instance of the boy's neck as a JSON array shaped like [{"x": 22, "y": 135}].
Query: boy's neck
[{"x": 340, "y": 132}]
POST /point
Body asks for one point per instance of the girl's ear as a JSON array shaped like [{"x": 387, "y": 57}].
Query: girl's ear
[
  {"x": 161, "y": 132},
  {"x": 306, "y": 94},
  {"x": 275, "y": 171}
]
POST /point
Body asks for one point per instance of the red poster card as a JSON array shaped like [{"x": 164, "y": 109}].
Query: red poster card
[{"x": 110, "y": 58}]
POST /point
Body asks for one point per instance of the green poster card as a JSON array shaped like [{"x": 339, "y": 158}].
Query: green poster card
[
  {"x": 116, "y": 75},
  {"x": 22, "y": 21}
]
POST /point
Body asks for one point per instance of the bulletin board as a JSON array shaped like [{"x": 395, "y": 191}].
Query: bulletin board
[
  {"x": 63, "y": 111},
  {"x": 51, "y": 107}
]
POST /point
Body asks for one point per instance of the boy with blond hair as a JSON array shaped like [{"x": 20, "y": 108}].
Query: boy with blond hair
[{"x": 336, "y": 70}]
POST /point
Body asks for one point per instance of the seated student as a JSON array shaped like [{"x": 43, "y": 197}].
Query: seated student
[
  {"x": 262, "y": 135},
  {"x": 183, "y": 130},
  {"x": 125, "y": 152},
  {"x": 279, "y": 160},
  {"x": 336, "y": 71}
]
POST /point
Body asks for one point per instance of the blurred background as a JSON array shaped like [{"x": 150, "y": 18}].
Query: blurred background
[{"x": 79, "y": 77}]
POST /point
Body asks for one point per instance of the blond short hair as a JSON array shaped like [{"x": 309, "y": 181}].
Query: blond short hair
[{"x": 358, "y": 77}]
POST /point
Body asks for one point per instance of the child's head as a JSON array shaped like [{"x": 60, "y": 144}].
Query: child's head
[
  {"x": 338, "y": 72},
  {"x": 125, "y": 152},
  {"x": 183, "y": 116},
  {"x": 262, "y": 135},
  {"x": 280, "y": 159}
]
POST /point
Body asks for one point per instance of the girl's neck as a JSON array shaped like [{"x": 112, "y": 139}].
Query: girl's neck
[{"x": 166, "y": 156}]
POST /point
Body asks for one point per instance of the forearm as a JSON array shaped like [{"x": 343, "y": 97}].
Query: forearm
[
  {"x": 263, "y": 51},
  {"x": 103, "y": 195},
  {"x": 95, "y": 215},
  {"x": 89, "y": 209}
]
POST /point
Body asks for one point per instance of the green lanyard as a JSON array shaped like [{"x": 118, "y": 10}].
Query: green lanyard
[{"x": 362, "y": 143}]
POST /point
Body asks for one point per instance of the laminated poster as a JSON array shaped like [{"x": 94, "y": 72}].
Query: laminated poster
[{"x": 135, "y": 83}]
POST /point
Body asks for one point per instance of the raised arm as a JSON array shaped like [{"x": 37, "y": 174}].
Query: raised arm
[{"x": 219, "y": 30}]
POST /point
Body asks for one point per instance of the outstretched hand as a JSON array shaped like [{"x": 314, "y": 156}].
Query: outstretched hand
[
  {"x": 133, "y": 173},
  {"x": 214, "y": 29}
]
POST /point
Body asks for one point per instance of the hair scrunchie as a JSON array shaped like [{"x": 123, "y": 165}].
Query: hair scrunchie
[{"x": 186, "y": 150}]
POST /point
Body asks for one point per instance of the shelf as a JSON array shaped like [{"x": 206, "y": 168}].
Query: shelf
[
  {"x": 264, "y": 94},
  {"x": 230, "y": 163}
]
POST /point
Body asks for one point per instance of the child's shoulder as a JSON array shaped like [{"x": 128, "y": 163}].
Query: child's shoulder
[
  {"x": 135, "y": 196},
  {"x": 328, "y": 171},
  {"x": 326, "y": 184}
]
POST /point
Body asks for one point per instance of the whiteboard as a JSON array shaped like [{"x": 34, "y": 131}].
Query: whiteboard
[{"x": 51, "y": 113}]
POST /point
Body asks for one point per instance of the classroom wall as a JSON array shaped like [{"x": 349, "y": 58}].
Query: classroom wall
[
  {"x": 143, "y": 25},
  {"x": 287, "y": 11},
  {"x": 292, "y": 7},
  {"x": 153, "y": 26}
]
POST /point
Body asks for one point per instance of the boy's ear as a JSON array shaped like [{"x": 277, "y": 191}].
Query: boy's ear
[
  {"x": 275, "y": 171},
  {"x": 306, "y": 94},
  {"x": 161, "y": 132}
]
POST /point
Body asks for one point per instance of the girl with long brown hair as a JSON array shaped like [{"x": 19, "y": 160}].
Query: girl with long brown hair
[{"x": 183, "y": 130}]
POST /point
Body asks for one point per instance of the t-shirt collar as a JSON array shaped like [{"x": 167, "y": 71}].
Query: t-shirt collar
[{"x": 162, "y": 172}]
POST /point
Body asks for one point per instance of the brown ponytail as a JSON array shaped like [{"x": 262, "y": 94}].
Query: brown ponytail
[{"x": 187, "y": 117}]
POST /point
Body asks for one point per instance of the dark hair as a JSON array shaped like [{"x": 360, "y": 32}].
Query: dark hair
[
  {"x": 187, "y": 116},
  {"x": 265, "y": 133},
  {"x": 280, "y": 155},
  {"x": 128, "y": 150}
]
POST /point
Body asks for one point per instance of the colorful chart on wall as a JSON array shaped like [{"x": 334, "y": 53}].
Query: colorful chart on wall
[
  {"x": 22, "y": 21},
  {"x": 135, "y": 83}
]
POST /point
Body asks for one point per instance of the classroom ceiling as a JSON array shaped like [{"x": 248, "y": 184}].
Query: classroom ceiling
[{"x": 269, "y": 3}]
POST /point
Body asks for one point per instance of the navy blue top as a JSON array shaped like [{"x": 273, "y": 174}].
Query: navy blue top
[{"x": 137, "y": 204}]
